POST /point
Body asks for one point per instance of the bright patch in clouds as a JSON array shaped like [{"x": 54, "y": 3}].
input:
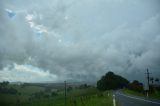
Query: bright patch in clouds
[
  {"x": 37, "y": 29},
  {"x": 29, "y": 17},
  {"x": 26, "y": 73}
]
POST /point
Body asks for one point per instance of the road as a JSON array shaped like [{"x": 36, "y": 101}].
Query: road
[{"x": 130, "y": 100}]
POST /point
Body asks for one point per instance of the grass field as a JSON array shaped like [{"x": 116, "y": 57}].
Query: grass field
[
  {"x": 155, "y": 95},
  {"x": 76, "y": 97},
  {"x": 22, "y": 96}
]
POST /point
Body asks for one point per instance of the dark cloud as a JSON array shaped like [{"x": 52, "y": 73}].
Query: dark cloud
[{"x": 81, "y": 40}]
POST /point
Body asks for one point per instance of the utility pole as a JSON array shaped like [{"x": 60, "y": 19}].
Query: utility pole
[
  {"x": 65, "y": 93},
  {"x": 148, "y": 77}
]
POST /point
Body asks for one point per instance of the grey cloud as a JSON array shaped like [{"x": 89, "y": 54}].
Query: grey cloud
[{"x": 84, "y": 39}]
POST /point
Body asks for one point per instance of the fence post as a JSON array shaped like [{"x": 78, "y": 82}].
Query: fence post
[{"x": 114, "y": 100}]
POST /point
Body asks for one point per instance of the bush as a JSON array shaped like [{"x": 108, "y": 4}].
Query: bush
[
  {"x": 158, "y": 88},
  {"x": 84, "y": 86},
  {"x": 136, "y": 86},
  {"x": 54, "y": 94},
  {"x": 48, "y": 89},
  {"x": 38, "y": 95},
  {"x": 100, "y": 94},
  {"x": 5, "y": 90}
]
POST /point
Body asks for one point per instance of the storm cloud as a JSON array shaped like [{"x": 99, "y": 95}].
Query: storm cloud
[{"x": 60, "y": 40}]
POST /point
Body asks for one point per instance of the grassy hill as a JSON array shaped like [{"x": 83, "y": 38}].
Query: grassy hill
[{"x": 53, "y": 95}]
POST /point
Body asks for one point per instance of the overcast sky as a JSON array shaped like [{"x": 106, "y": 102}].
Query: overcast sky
[{"x": 79, "y": 40}]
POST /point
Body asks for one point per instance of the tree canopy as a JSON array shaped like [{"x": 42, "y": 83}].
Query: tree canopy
[
  {"x": 136, "y": 86},
  {"x": 111, "y": 81}
]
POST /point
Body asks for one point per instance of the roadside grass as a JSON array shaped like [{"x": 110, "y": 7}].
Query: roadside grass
[
  {"x": 75, "y": 97},
  {"x": 83, "y": 97},
  {"x": 127, "y": 91},
  {"x": 155, "y": 95},
  {"x": 12, "y": 100}
]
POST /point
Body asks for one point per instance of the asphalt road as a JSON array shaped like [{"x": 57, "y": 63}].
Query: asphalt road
[{"x": 130, "y": 100}]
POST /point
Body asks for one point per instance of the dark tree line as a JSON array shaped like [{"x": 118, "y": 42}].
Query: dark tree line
[
  {"x": 4, "y": 89},
  {"x": 136, "y": 86},
  {"x": 152, "y": 80},
  {"x": 4, "y": 84},
  {"x": 8, "y": 90},
  {"x": 111, "y": 81}
]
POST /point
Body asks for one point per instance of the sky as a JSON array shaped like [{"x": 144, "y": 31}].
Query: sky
[{"x": 78, "y": 40}]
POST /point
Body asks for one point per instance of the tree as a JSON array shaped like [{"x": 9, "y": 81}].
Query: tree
[
  {"x": 157, "y": 80},
  {"x": 69, "y": 89},
  {"x": 111, "y": 81},
  {"x": 152, "y": 79},
  {"x": 5, "y": 90},
  {"x": 83, "y": 86},
  {"x": 53, "y": 94},
  {"x": 136, "y": 86},
  {"x": 4, "y": 83}
]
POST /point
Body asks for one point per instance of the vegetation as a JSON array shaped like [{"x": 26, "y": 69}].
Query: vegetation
[
  {"x": 152, "y": 95},
  {"x": 111, "y": 81},
  {"x": 37, "y": 94},
  {"x": 136, "y": 88},
  {"x": 79, "y": 98},
  {"x": 53, "y": 94},
  {"x": 4, "y": 89}
]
